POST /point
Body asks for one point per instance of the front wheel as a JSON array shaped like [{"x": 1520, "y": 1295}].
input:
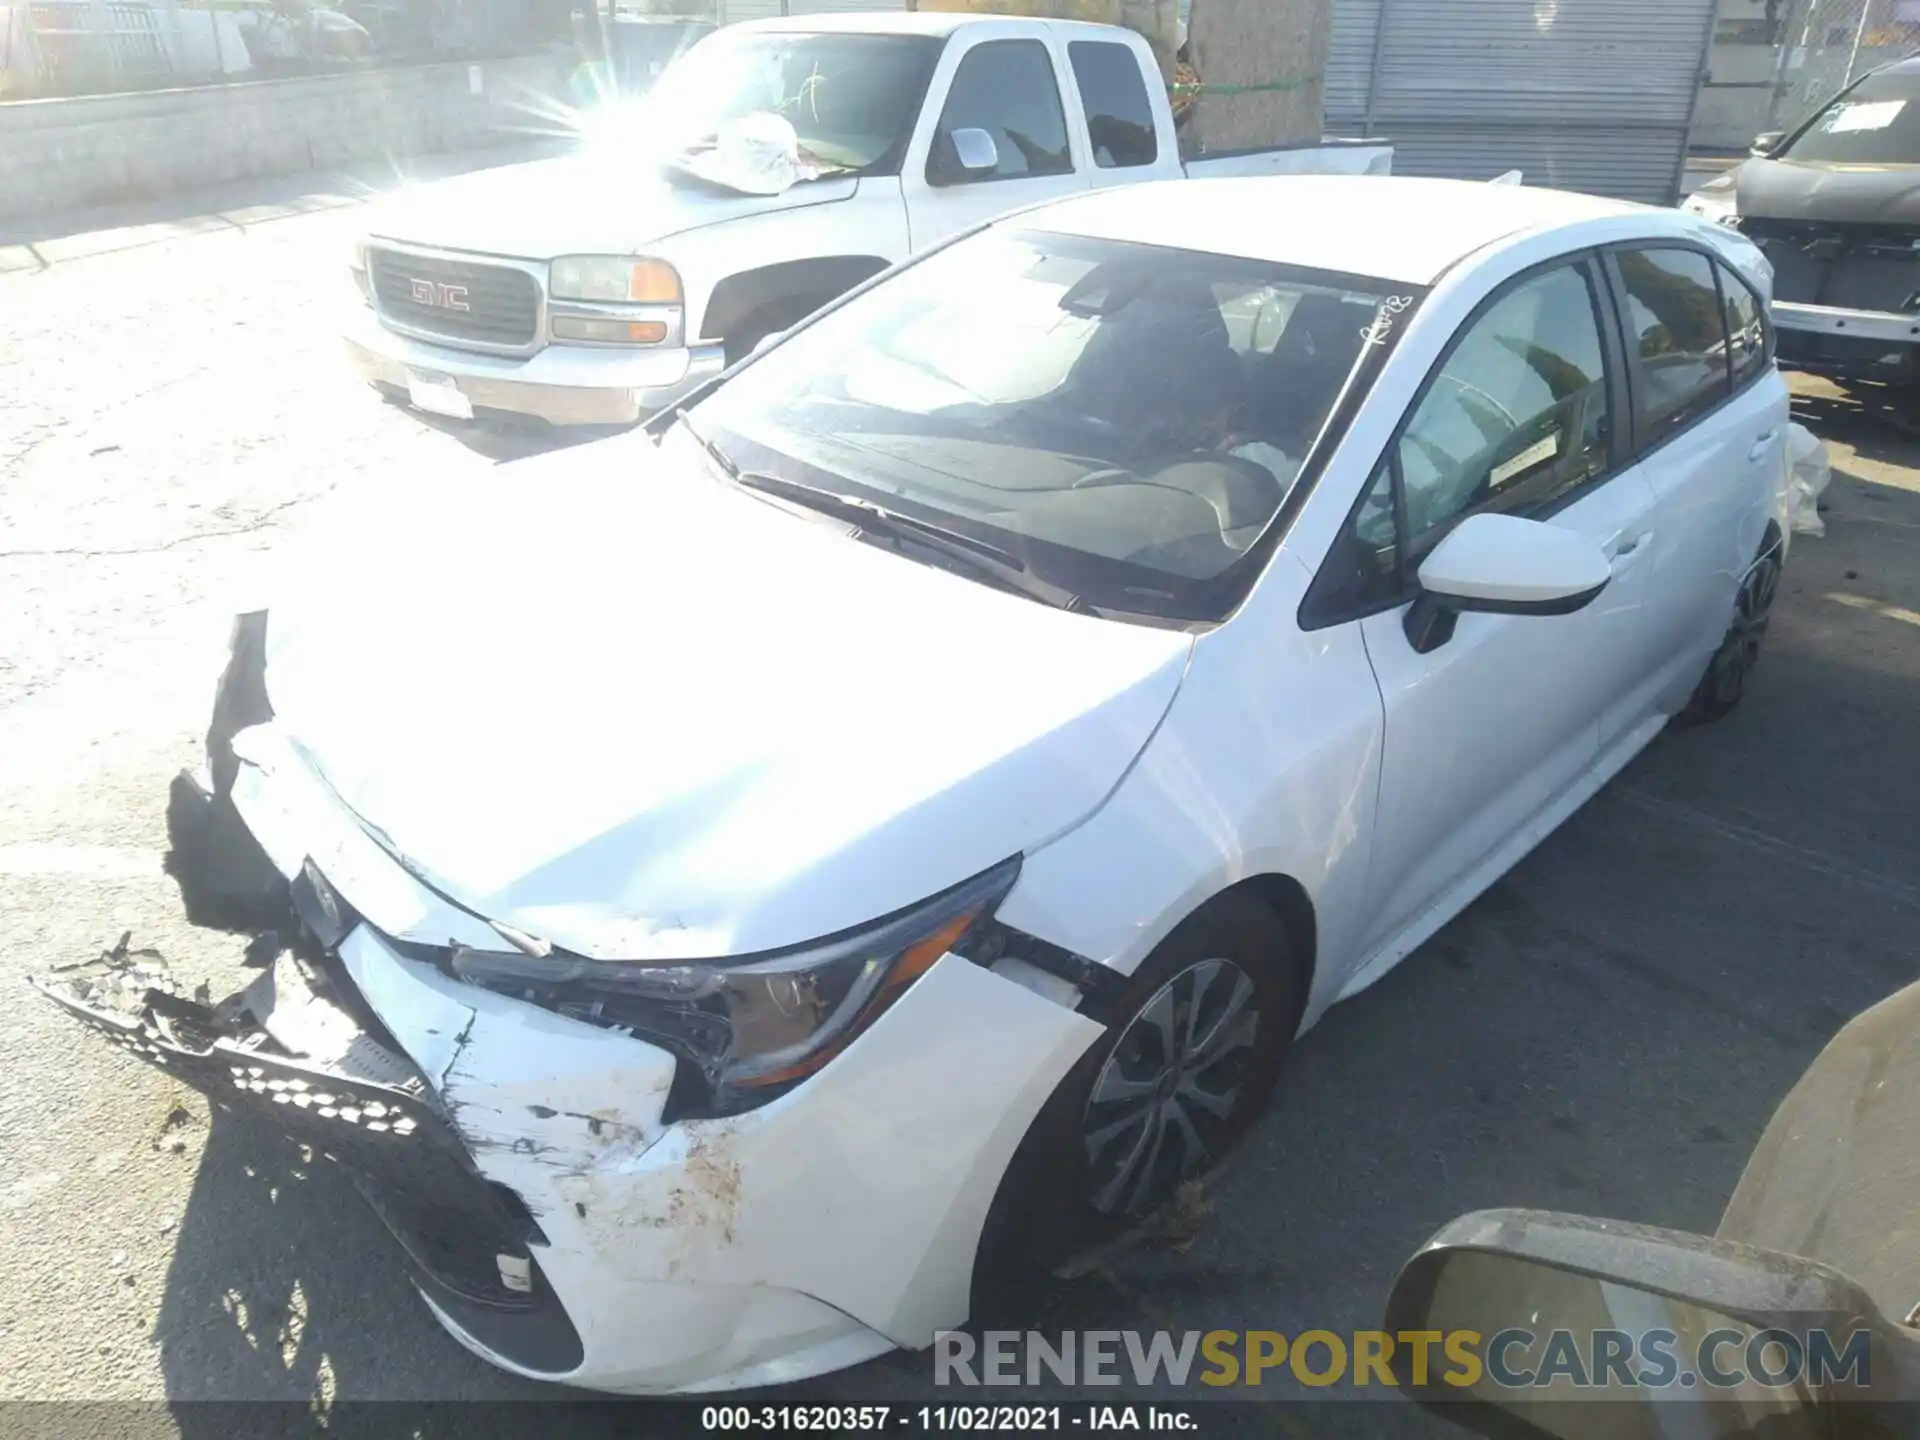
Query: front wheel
[
  {"x": 1190, "y": 1057},
  {"x": 1725, "y": 683}
]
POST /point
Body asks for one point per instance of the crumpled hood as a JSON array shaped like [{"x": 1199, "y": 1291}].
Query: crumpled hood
[
  {"x": 609, "y": 700},
  {"x": 1844, "y": 194},
  {"x": 581, "y": 204}
]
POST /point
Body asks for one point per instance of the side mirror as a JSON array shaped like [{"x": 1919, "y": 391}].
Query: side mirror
[
  {"x": 1766, "y": 143},
  {"x": 976, "y": 151},
  {"x": 1503, "y": 565},
  {"x": 1545, "y": 1324}
]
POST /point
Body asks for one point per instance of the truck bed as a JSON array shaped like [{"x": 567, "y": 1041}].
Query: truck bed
[{"x": 1326, "y": 157}]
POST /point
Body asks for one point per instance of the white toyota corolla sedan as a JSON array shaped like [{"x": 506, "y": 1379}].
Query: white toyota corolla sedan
[{"x": 903, "y": 808}]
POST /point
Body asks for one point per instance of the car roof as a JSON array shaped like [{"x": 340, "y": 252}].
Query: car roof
[{"x": 1399, "y": 228}]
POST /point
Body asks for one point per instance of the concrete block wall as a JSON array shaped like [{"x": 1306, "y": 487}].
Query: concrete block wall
[{"x": 98, "y": 149}]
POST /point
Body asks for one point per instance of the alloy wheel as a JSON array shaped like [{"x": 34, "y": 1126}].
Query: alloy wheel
[
  {"x": 1753, "y": 612},
  {"x": 1167, "y": 1098}
]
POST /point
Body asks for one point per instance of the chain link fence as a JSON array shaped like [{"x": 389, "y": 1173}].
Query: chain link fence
[{"x": 1825, "y": 45}]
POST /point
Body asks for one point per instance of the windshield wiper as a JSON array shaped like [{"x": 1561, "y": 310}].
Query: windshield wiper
[
  {"x": 714, "y": 452},
  {"x": 983, "y": 560}
]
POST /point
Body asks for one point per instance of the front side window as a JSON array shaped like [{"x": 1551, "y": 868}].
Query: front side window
[
  {"x": 1877, "y": 122},
  {"x": 1119, "y": 114},
  {"x": 1006, "y": 88},
  {"x": 1516, "y": 418},
  {"x": 1125, "y": 420},
  {"x": 1517, "y": 415},
  {"x": 1679, "y": 333}
]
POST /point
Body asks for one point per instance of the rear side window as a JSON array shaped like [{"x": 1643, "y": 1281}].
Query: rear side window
[
  {"x": 1006, "y": 88},
  {"x": 1678, "y": 331},
  {"x": 1119, "y": 115},
  {"x": 1749, "y": 338}
]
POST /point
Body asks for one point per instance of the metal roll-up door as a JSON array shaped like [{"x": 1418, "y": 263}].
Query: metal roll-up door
[
  {"x": 834, "y": 7},
  {"x": 1594, "y": 95},
  {"x": 1356, "y": 29},
  {"x": 732, "y": 12},
  {"x": 1593, "y": 159}
]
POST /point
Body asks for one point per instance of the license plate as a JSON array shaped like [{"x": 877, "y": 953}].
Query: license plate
[{"x": 437, "y": 394}]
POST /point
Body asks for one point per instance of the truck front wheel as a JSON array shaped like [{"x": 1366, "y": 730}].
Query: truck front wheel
[{"x": 771, "y": 320}]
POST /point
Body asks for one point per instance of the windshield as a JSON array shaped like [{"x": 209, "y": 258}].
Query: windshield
[
  {"x": 643, "y": 49},
  {"x": 1875, "y": 123},
  {"x": 1125, "y": 420},
  {"x": 852, "y": 98}
]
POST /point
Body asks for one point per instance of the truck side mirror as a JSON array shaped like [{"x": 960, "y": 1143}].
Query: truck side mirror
[
  {"x": 976, "y": 151},
  {"x": 1766, "y": 143}
]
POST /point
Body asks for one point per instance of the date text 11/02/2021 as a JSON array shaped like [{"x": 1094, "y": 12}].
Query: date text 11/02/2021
[{"x": 939, "y": 1419}]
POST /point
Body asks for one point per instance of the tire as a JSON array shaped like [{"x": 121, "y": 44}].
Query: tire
[
  {"x": 758, "y": 326},
  {"x": 1724, "y": 684},
  {"x": 1099, "y": 1156}
]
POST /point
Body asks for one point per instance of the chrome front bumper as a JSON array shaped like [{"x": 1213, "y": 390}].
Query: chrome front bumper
[{"x": 561, "y": 384}]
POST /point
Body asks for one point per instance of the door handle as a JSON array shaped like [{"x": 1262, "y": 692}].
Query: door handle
[
  {"x": 1627, "y": 546},
  {"x": 1761, "y": 446}
]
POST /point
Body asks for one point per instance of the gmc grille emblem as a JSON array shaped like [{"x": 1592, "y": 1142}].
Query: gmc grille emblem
[{"x": 437, "y": 296}]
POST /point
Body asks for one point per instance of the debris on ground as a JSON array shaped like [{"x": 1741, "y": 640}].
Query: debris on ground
[
  {"x": 171, "y": 1135},
  {"x": 1187, "y": 1215},
  {"x": 119, "y": 957}
]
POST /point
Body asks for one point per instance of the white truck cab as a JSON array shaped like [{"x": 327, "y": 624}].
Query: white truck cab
[{"x": 775, "y": 166}]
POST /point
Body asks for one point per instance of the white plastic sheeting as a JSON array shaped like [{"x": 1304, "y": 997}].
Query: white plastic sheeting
[{"x": 1808, "y": 472}]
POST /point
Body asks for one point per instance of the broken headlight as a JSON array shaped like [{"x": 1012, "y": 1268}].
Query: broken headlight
[{"x": 750, "y": 1029}]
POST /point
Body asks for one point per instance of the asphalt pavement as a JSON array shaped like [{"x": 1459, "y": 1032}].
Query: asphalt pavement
[{"x": 1606, "y": 1031}]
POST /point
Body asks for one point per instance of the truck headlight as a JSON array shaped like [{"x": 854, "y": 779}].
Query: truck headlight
[
  {"x": 614, "y": 279},
  {"x": 357, "y": 264},
  {"x": 751, "y": 1029},
  {"x": 1715, "y": 201}
]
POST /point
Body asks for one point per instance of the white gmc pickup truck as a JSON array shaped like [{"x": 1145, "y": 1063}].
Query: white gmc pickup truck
[{"x": 776, "y": 165}]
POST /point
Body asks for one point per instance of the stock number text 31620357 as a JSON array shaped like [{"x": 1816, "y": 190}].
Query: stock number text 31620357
[{"x": 918, "y": 1419}]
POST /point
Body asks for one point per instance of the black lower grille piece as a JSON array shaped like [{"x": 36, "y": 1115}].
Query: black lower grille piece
[
  {"x": 369, "y": 1110},
  {"x": 1847, "y": 266},
  {"x": 459, "y": 300}
]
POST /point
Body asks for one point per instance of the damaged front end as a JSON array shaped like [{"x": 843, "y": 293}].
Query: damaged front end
[
  {"x": 1846, "y": 295},
  {"x": 298, "y": 1049},
  {"x": 645, "y": 1179}
]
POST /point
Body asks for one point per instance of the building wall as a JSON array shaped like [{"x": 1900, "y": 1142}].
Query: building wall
[{"x": 58, "y": 154}]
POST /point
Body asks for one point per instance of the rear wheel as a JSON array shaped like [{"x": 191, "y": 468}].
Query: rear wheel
[
  {"x": 1725, "y": 683},
  {"x": 1191, "y": 1054}
]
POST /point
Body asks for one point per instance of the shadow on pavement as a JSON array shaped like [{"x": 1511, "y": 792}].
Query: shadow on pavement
[{"x": 1882, "y": 422}]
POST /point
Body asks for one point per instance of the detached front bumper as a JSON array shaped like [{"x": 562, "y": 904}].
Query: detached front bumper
[
  {"x": 469, "y": 1243},
  {"x": 1858, "y": 344},
  {"x": 561, "y": 385},
  {"x": 557, "y": 1222}
]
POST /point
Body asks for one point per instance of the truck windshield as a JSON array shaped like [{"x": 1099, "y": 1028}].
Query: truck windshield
[
  {"x": 851, "y": 98},
  {"x": 1126, "y": 420},
  {"x": 1877, "y": 122}
]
